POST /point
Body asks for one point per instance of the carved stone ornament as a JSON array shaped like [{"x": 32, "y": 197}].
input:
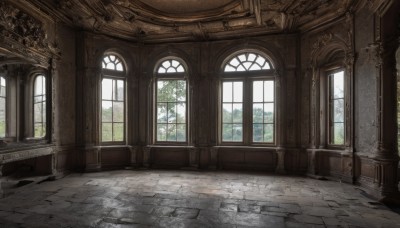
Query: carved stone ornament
[
  {"x": 24, "y": 35},
  {"x": 321, "y": 41}
]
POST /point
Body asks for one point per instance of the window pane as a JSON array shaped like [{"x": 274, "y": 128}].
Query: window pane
[
  {"x": 227, "y": 113},
  {"x": 237, "y": 132},
  {"x": 338, "y": 133},
  {"x": 162, "y": 113},
  {"x": 227, "y": 92},
  {"x": 268, "y": 91},
  {"x": 171, "y": 132},
  {"x": 106, "y": 89},
  {"x": 258, "y": 91},
  {"x": 227, "y": 132},
  {"x": 161, "y": 132},
  {"x": 257, "y": 132},
  {"x": 181, "y": 113},
  {"x": 118, "y": 132},
  {"x": 38, "y": 112},
  {"x": 181, "y": 90},
  {"x": 268, "y": 112},
  {"x": 120, "y": 90},
  {"x": 171, "y": 113},
  {"x": 237, "y": 113},
  {"x": 181, "y": 132},
  {"x": 237, "y": 91},
  {"x": 106, "y": 111},
  {"x": 118, "y": 111},
  {"x": 268, "y": 132},
  {"x": 338, "y": 110},
  {"x": 39, "y": 130},
  {"x": 258, "y": 113},
  {"x": 2, "y": 117},
  {"x": 106, "y": 130},
  {"x": 338, "y": 85},
  {"x": 166, "y": 90},
  {"x": 38, "y": 85}
]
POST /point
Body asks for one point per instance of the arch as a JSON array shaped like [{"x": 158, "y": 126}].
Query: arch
[
  {"x": 247, "y": 60},
  {"x": 113, "y": 61},
  {"x": 170, "y": 64}
]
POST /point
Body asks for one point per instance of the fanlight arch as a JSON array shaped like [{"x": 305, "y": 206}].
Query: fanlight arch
[
  {"x": 170, "y": 65},
  {"x": 247, "y": 61},
  {"x": 112, "y": 62}
]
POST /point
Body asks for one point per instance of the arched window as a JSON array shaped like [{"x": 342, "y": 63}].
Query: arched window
[
  {"x": 112, "y": 99},
  {"x": 3, "y": 107},
  {"x": 336, "y": 107},
  {"x": 171, "y": 101},
  {"x": 248, "y": 99},
  {"x": 39, "y": 106}
]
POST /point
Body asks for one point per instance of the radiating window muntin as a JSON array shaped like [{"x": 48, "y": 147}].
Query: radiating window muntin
[
  {"x": 336, "y": 108},
  {"x": 39, "y": 106},
  {"x": 171, "y": 102},
  {"x": 249, "y": 119},
  {"x": 3, "y": 107},
  {"x": 113, "y": 99}
]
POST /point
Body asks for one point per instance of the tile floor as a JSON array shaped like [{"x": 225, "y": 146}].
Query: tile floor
[{"x": 160, "y": 198}]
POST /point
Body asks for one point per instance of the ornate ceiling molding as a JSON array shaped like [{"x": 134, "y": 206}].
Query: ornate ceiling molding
[
  {"x": 156, "y": 20},
  {"x": 24, "y": 36}
]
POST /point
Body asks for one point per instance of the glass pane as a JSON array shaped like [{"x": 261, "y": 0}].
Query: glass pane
[
  {"x": 38, "y": 99},
  {"x": 268, "y": 91},
  {"x": 166, "y": 90},
  {"x": 268, "y": 112},
  {"x": 39, "y": 130},
  {"x": 338, "y": 133},
  {"x": 120, "y": 67},
  {"x": 258, "y": 91},
  {"x": 2, "y": 117},
  {"x": 257, "y": 132},
  {"x": 229, "y": 68},
  {"x": 106, "y": 132},
  {"x": 251, "y": 57},
  {"x": 120, "y": 90},
  {"x": 118, "y": 114},
  {"x": 227, "y": 91},
  {"x": 118, "y": 132},
  {"x": 227, "y": 113},
  {"x": 258, "y": 113},
  {"x": 171, "y": 132},
  {"x": 166, "y": 64},
  {"x": 260, "y": 60},
  {"x": 237, "y": 91},
  {"x": 180, "y": 69},
  {"x": 171, "y": 113},
  {"x": 227, "y": 132},
  {"x": 338, "y": 110},
  {"x": 106, "y": 111},
  {"x": 162, "y": 113},
  {"x": 242, "y": 58},
  {"x": 237, "y": 113},
  {"x": 161, "y": 132},
  {"x": 171, "y": 70},
  {"x": 268, "y": 133},
  {"x": 106, "y": 89},
  {"x": 37, "y": 112},
  {"x": 237, "y": 132},
  {"x": 181, "y": 132},
  {"x": 38, "y": 85},
  {"x": 181, "y": 113},
  {"x": 255, "y": 67},
  {"x": 241, "y": 68},
  {"x": 175, "y": 63},
  {"x": 234, "y": 62},
  {"x": 162, "y": 70},
  {"x": 44, "y": 112},
  {"x": 247, "y": 65},
  {"x": 338, "y": 85},
  {"x": 2, "y": 86},
  {"x": 181, "y": 90}
]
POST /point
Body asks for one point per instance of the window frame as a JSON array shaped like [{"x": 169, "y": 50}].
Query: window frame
[
  {"x": 329, "y": 72},
  {"x": 113, "y": 75},
  {"x": 7, "y": 106},
  {"x": 35, "y": 77},
  {"x": 247, "y": 77},
  {"x": 170, "y": 76}
]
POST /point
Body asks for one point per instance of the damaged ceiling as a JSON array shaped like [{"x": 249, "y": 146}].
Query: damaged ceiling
[{"x": 179, "y": 20}]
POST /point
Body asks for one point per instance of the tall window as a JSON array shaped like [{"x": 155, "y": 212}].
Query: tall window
[
  {"x": 39, "y": 106},
  {"x": 3, "y": 107},
  {"x": 112, "y": 100},
  {"x": 248, "y": 100},
  {"x": 336, "y": 108},
  {"x": 171, "y": 102}
]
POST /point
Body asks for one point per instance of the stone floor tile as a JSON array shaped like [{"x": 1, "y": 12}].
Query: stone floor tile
[{"x": 186, "y": 213}]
